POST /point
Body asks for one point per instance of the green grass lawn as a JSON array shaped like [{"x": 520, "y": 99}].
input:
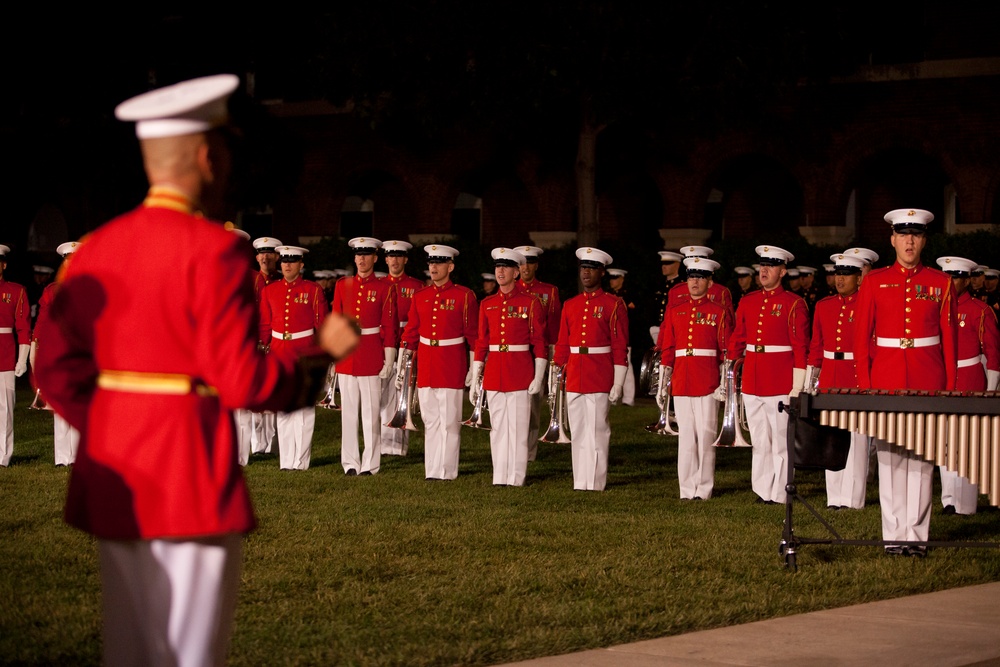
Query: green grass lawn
[{"x": 395, "y": 570}]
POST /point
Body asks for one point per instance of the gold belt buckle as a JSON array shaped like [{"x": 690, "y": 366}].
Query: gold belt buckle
[
  {"x": 689, "y": 352},
  {"x": 905, "y": 343},
  {"x": 503, "y": 348},
  {"x": 286, "y": 336},
  {"x": 434, "y": 343},
  {"x": 758, "y": 348},
  {"x": 584, "y": 350}
]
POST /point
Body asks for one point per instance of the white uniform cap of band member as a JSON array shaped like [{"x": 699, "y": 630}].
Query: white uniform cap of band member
[
  {"x": 979, "y": 270},
  {"x": 266, "y": 244},
  {"x": 846, "y": 264},
  {"x": 239, "y": 232},
  {"x": 667, "y": 257},
  {"x": 806, "y": 270},
  {"x": 4, "y": 251},
  {"x": 743, "y": 271},
  {"x": 440, "y": 254},
  {"x": 593, "y": 257},
  {"x": 67, "y": 248},
  {"x": 792, "y": 272},
  {"x": 869, "y": 256},
  {"x": 292, "y": 252},
  {"x": 991, "y": 274},
  {"x": 323, "y": 274},
  {"x": 489, "y": 276},
  {"x": 696, "y": 251},
  {"x": 41, "y": 268},
  {"x": 773, "y": 255},
  {"x": 381, "y": 274},
  {"x": 507, "y": 257},
  {"x": 530, "y": 252},
  {"x": 959, "y": 267},
  {"x": 829, "y": 268},
  {"x": 755, "y": 267},
  {"x": 617, "y": 273},
  {"x": 364, "y": 245},
  {"x": 396, "y": 248},
  {"x": 700, "y": 267},
  {"x": 188, "y": 107},
  {"x": 909, "y": 219}
]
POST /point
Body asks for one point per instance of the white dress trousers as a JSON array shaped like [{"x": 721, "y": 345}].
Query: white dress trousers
[
  {"x": 590, "y": 432},
  {"x": 395, "y": 441},
  {"x": 168, "y": 603},
  {"x": 262, "y": 434},
  {"x": 534, "y": 419},
  {"x": 768, "y": 437},
  {"x": 6, "y": 417},
  {"x": 441, "y": 412},
  {"x": 846, "y": 488},
  {"x": 66, "y": 439},
  {"x": 958, "y": 492},
  {"x": 905, "y": 488},
  {"x": 360, "y": 395},
  {"x": 295, "y": 434},
  {"x": 628, "y": 389},
  {"x": 697, "y": 428},
  {"x": 509, "y": 415},
  {"x": 244, "y": 434}
]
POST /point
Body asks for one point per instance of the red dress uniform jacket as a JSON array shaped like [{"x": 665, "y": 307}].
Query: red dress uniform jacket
[
  {"x": 44, "y": 302},
  {"x": 15, "y": 318},
  {"x": 405, "y": 287},
  {"x": 679, "y": 293},
  {"x": 260, "y": 281},
  {"x": 906, "y": 304},
  {"x": 833, "y": 335},
  {"x": 691, "y": 329},
  {"x": 549, "y": 296},
  {"x": 775, "y": 318},
  {"x": 372, "y": 303},
  {"x": 977, "y": 335},
  {"x": 437, "y": 314},
  {"x": 592, "y": 319},
  {"x": 515, "y": 318},
  {"x": 292, "y": 310},
  {"x": 158, "y": 454}
]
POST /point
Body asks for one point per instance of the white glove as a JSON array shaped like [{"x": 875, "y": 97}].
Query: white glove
[
  {"x": 477, "y": 370},
  {"x": 812, "y": 380},
  {"x": 390, "y": 359},
  {"x": 536, "y": 384},
  {"x": 32, "y": 352},
  {"x": 468, "y": 376},
  {"x": 720, "y": 392},
  {"x": 22, "y": 360},
  {"x": 404, "y": 356},
  {"x": 616, "y": 389},
  {"x": 798, "y": 380},
  {"x": 666, "y": 372},
  {"x": 992, "y": 380},
  {"x": 655, "y": 333}
]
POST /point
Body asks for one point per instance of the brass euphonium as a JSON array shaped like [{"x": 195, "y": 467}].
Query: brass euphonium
[
  {"x": 329, "y": 400},
  {"x": 407, "y": 380},
  {"x": 733, "y": 419},
  {"x": 475, "y": 420},
  {"x": 649, "y": 384},
  {"x": 558, "y": 431}
]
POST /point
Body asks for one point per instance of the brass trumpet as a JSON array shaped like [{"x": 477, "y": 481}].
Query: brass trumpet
[
  {"x": 558, "y": 431},
  {"x": 407, "y": 379},
  {"x": 329, "y": 400},
  {"x": 475, "y": 420},
  {"x": 733, "y": 416}
]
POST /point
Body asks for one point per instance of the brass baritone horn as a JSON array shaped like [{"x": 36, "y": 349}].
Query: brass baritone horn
[
  {"x": 329, "y": 400},
  {"x": 407, "y": 394},
  {"x": 649, "y": 384},
  {"x": 558, "y": 431},
  {"x": 733, "y": 419}
]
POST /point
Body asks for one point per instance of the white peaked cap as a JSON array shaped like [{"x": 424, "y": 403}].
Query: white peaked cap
[{"x": 187, "y": 107}]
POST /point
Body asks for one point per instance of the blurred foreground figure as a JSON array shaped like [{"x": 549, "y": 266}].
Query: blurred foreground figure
[{"x": 150, "y": 344}]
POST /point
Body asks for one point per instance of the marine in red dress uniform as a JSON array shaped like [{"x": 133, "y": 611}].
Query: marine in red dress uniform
[
  {"x": 371, "y": 302},
  {"x": 15, "y": 343},
  {"x": 291, "y": 312},
  {"x": 396, "y": 441},
  {"x": 978, "y": 368},
  {"x": 548, "y": 295},
  {"x": 772, "y": 329},
  {"x": 262, "y": 424},
  {"x": 694, "y": 335},
  {"x": 592, "y": 351},
  {"x": 441, "y": 329},
  {"x": 512, "y": 333},
  {"x": 908, "y": 309},
  {"x": 831, "y": 364}
]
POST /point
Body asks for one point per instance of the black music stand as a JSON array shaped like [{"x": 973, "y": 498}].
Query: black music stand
[{"x": 811, "y": 445}]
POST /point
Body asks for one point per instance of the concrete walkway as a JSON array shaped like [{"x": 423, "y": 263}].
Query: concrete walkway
[{"x": 958, "y": 627}]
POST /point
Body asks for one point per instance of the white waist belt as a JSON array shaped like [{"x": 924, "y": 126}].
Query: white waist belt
[
  {"x": 509, "y": 348},
  {"x": 907, "y": 342},
  {"x": 403, "y": 323},
  {"x": 292, "y": 336},
  {"x": 590, "y": 350},
  {"x": 4, "y": 330},
  {"x": 769, "y": 348},
  {"x": 370, "y": 331},
  {"x": 971, "y": 361},
  {"x": 695, "y": 352},
  {"x": 837, "y": 355},
  {"x": 443, "y": 343}
]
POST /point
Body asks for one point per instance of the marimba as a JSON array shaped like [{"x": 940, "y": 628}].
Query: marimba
[{"x": 957, "y": 430}]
